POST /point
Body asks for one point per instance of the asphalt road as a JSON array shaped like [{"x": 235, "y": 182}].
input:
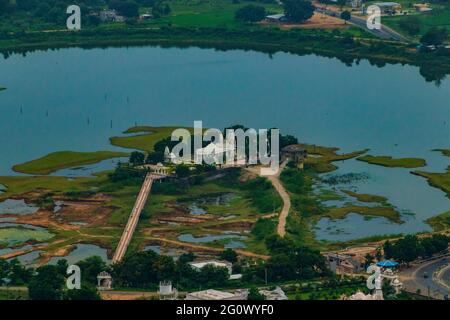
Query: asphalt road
[
  {"x": 383, "y": 33},
  {"x": 436, "y": 283}
]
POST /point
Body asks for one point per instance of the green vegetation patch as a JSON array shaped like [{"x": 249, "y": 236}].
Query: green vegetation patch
[
  {"x": 20, "y": 185},
  {"x": 13, "y": 294},
  {"x": 14, "y": 236},
  {"x": 2, "y": 88},
  {"x": 440, "y": 222},
  {"x": 262, "y": 195},
  {"x": 144, "y": 137},
  {"x": 329, "y": 195},
  {"x": 385, "y": 212},
  {"x": 417, "y": 24},
  {"x": 445, "y": 152},
  {"x": 365, "y": 197},
  {"x": 321, "y": 158},
  {"x": 437, "y": 180},
  {"x": 264, "y": 228},
  {"x": 65, "y": 159},
  {"x": 387, "y": 161}
]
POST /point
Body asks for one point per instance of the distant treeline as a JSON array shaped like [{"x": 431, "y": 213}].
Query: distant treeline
[
  {"x": 433, "y": 66},
  {"x": 54, "y": 11}
]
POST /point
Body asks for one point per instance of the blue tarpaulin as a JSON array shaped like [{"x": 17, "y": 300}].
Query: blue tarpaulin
[{"x": 387, "y": 264}]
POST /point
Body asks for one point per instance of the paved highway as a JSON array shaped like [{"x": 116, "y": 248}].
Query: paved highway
[
  {"x": 383, "y": 33},
  {"x": 431, "y": 277}
]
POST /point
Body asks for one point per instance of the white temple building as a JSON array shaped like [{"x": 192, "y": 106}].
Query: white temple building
[{"x": 217, "y": 153}]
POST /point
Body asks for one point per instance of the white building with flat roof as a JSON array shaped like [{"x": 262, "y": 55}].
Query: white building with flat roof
[
  {"x": 276, "y": 294},
  {"x": 389, "y": 7},
  {"x": 280, "y": 17},
  {"x": 211, "y": 294},
  {"x": 198, "y": 265}
]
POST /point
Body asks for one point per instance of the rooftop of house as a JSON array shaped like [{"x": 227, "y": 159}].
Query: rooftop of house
[
  {"x": 275, "y": 16},
  {"x": 387, "y": 4},
  {"x": 294, "y": 148},
  {"x": 216, "y": 263},
  {"x": 212, "y": 294}
]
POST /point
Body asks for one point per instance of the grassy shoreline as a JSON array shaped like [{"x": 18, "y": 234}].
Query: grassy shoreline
[
  {"x": 440, "y": 222},
  {"x": 363, "y": 197},
  {"x": 142, "y": 138},
  {"x": 437, "y": 180},
  {"x": 445, "y": 152},
  {"x": 383, "y": 212},
  {"x": 390, "y": 162},
  {"x": 63, "y": 160}
]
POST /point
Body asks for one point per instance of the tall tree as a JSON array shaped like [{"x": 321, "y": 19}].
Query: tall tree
[
  {"x": 298, "y": 10},
  {"x": 229, "y": 255},
  {"x": 346, "y": 16},
  {"x": 47, "y": 284},
  {"x": 137, "y": 158},
  {"x": 250, "y": 13},
  {"x": 434, "y": 36}
]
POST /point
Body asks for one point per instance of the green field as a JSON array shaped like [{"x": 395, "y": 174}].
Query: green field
[
  {"x": 65, "y": 159},
  {"x": 439, "y": 17},
  {"x": 206, "y": 14},
  {"x": 390, "y": 162}
]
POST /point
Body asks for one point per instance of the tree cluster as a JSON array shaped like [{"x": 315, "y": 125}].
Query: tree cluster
[
  {"x": 411, "y": 247},
  {"x": 288, "y": 261}
]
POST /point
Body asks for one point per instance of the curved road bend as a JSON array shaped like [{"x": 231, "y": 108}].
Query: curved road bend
[
  {"x": 437, "y": 282},
  {"x": 275, "y": 180},
  {"x": 133, "y": 219}
]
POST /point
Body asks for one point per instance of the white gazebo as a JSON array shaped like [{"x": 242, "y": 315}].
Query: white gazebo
[
  {"x": 104, "y": 281},
  {"x": 167, "y": 291}
]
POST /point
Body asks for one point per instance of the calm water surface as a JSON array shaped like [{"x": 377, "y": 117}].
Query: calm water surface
[{"x": 75, "y": 99}]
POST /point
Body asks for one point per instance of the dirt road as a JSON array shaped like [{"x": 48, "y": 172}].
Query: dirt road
[{"x": 275, "y": 180}]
